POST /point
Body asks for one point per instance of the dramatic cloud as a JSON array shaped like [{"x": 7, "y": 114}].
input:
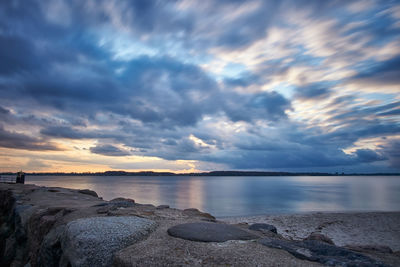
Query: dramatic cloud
[
  {"x": 391, "y": 150},
  {"x": 108, "y": 150},
  {"x": 21, "y": 141},
  {"x": 313, "y": 91},
  {"x": 387, "y": 72},
  {"x": 190, "y": 85},
  {"x": 368, "y": 155},
  {"x": 264, "y": 106}
]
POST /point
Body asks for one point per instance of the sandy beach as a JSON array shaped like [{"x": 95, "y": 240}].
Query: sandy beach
[{"x": 345, "y": 229}]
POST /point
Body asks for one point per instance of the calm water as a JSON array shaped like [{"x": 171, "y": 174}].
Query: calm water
[{"x": 234, "y": 196}]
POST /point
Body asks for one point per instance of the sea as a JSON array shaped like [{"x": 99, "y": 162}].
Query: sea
[{"x": 225, "y": 196}]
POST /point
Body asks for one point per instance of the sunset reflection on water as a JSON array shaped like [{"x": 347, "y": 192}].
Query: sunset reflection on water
[{"x": 236, "y": 196}]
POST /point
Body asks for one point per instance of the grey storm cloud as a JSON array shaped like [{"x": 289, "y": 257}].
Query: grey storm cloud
[
  {"x": 16, "y": 55},
  {"x": 355, "y": 113},
  {"x": 392, "y": 152},
  {"x": 16, "y": 140},
  {"x": 316, "y": 90},
  {"x": 250, "y": 27},
  {"x": 368, "y": 155},
  {"x": 386, "y": 72},
  {"x": 109, "y": 150},
  {"x": 66, "y": 132},
  {"x": 270, "y": 106},
  {"x": 306, "y": 158},
  {"x": 153, "y": 90},
  {"x": 243, "y": 81}
]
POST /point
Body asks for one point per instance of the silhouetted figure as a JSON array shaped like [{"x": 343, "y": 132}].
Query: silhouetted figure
[{"x": 20, "y": 177}]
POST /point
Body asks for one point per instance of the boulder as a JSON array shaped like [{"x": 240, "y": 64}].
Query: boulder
[
  {"x": 88, "y": 192},
  {"x": 209, "y": 232},
  {"x": 313, "y": 250},
  {"x": 122, "y": 199},
  {"x": 196, "y": 213},
  {"x": 53, "y": 190},
  {"x": 93, "y": 241},
  {"x": 106, "y": 209},
  {"x": 263, "y": 227},
  {"x": 320, "y": 237},
  {"x": 101, "y": 204},
  {"x": 121, "y": 202}
]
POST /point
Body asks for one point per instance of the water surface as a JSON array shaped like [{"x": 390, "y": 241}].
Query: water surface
[{"x": 244, "y": 195}]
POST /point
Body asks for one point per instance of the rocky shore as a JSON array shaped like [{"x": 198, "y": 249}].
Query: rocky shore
[
  {"x": 43, "y": 226},
  {"x": 344, "y": 229}
]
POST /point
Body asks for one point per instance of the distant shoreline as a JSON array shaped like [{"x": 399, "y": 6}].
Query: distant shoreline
[{"x": 212, "y": 173}]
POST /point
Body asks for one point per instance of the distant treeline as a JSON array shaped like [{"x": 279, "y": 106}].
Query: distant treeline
[{"x": 212, "y": 173}]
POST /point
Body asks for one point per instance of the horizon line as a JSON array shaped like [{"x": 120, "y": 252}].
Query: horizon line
[{"x": 205, "y": 173}]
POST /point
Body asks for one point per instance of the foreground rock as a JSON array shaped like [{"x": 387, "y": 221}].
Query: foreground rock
[
  {"x": 122, "y": 202},
  {"x": 86, "y": 192},
  {"x": 263, "y": 227},
  {"x": 93, "y": 241},
  {"x": 161, "y": 249},
  {"x": 209, "y": 232},
  {"x": 368, "y": 248},
  {"x": 320, "y": 237},
  {"x": 313, "y": 250}
]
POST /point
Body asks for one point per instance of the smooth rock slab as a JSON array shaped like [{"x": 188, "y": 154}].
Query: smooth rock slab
[
  {"x": 321, "y": 252},
  {"x": 209, "y": 232},
  {"x": 263, "y": 227},
  {"x": 88, "y": 192},
  {"x": 93, "y": 241}
]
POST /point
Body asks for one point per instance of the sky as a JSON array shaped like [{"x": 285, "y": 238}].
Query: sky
[{"x": 187, "y": 86}]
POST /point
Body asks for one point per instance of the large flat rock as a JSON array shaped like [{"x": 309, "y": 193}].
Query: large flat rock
[
  {"x": 93, "y": 241},
  {"x": 209, "y": 232}
]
